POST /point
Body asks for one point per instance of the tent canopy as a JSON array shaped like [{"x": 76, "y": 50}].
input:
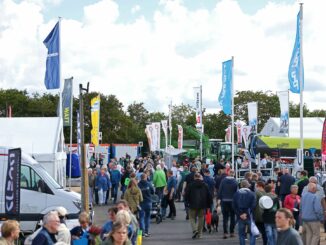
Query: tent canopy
[{"x": 312, "y": 127}]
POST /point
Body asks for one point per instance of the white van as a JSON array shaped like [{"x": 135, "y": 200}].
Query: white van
[{"x": 39, "y": 193}]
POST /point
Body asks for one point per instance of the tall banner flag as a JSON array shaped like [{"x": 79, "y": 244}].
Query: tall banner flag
[
  {"x": 67, "y": 102},
  {"x": 156, "y": 136},
  {"x": 323, "y": 143},
  {"x": 52, "y": 73},
  {"x": 148, "y": 132},
  {"x": 180, "y": 137},
  {"x": 165, "y": 131},
  {"x": 12, "y": 185},
  {"x": 283, "y": 97},
  {"x": 252, "y": 115},
  {"x": 238, "y": 125},
  {"x": 199, "y": 122},
  {"x": 296, "y": 59},
  {"x": 228, "y": 134},
  {"x": 95, "y": 115},
  {"x": 225, "y": 98},
  {"x": 170, "y": 121},
  {"x": 245, "y": 131},
  {"x": 78, "y": 135}
]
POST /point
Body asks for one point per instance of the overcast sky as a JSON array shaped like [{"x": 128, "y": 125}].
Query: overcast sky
[{"x": 156, "y": 51}]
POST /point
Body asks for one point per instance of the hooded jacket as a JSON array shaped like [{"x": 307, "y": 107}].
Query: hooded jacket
[{"x": 198, "y": 196}]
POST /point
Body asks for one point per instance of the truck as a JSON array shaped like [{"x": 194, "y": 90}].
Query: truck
[{"x": 39, "y": 193}]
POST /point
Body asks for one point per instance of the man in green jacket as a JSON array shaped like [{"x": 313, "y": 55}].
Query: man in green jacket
[{"x": 159, "y": 181}]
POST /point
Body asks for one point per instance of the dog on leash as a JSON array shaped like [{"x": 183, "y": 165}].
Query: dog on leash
[{"x": 215, "y": 220}]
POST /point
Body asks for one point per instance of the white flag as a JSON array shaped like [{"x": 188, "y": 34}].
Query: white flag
[
  {"x": 245, "y": 131},
  {"x": 156, "y": 136},
  {"x": 228, "y": 134},
  {"x": 252, "y": 115},
  {"x": 180, "y": 137},
  {"x": 148, "y": 131},
  {"x": 198, "y": 107}
]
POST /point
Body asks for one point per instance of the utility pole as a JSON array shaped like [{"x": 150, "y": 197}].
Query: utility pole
[{"x": 84, "y": 182}]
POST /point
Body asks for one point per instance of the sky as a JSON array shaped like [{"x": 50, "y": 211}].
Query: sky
[{"x": 155, "y": 51}]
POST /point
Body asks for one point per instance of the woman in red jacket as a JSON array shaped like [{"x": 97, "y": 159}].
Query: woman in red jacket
[{"x": 292, "y": 202}]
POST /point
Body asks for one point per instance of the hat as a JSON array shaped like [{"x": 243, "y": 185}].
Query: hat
[
  {"x": 265, "y": 202},
  {"x": 62, "y": 211}
]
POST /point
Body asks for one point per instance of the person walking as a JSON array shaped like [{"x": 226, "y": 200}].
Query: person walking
[
  {"x": 292, "y": 203},
  {"x": 159, "y": 181},
  {"x": 244, "y": 202},
  {"x": 115, "y": 180},
  {"x": 102, "y": 185},
  {"x": 258, "y": 212},
  {"x": 198, "y": 198},
  {"x": 226, "y": 191},
  {"x": 286, "y": 235},
  {"x": 171, "y": 187},
  {"x": 46, "y": 236},
  {"x": 269, "y": 216},
  {"x": 286, "y": 180},
  {"x": 146, "y": 205},
  {"x": 311, "y": 215},
  {"x": 133, "y": 196},
  {"x": 302, "y": 182}
]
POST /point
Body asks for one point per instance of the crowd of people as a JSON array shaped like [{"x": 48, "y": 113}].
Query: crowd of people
[{"x": 280, "y": 210}]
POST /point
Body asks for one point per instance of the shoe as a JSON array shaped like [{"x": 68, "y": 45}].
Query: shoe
[
  {"x": 187, "y": 217},
  {"x": 172, "y": 217},
  {"x": 163, "y": 218},
  {"x": 147, "y": 235},
  {"x": 232, "y": 235},
  {"x": 194, "y": 234},
  {"x": 204, "y": 229},
  {"x": 225, "y": 236}
]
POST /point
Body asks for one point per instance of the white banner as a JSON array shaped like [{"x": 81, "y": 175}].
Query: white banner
[
  {"x": 165, "y": 131},
  {"x": 245, "y": 131},
  {"x": 228, "y": 134},
  {"x": 156, "y": 136},
  {"x": 238, "y": 125},
  {"x": 252, "y": 115},
  {"x": 198, "y": 107},
  {"x": 180, "y": 137},
  {"x": 283, "y": 97}
]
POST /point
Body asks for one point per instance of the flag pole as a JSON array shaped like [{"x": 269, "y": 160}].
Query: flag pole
[
  {"x": 201, "y": 123},
  {"x": 232, "y": 118},
  {"x": 170, "y": 121},
  {"x": 301, "y": 86}
]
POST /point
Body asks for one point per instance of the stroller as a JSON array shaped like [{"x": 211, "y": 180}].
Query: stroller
[{"x": 156, "y": 209}]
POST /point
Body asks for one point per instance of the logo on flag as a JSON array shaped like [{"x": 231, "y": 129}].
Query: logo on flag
[
  {"x": 67, "y": 102},
  {"x": 295, "y": 63},
  {"x": 52, "y": 73},
  {"x": 95, "y": 115}
]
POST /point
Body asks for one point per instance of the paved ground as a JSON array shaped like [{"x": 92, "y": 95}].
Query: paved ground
[{"x": 176, "y": 231}]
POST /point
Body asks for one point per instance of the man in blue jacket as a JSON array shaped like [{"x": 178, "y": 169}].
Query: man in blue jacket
[
  {"x": 311, "y": 215},
  {"x": 115, "y": 180},
  {"x": 286, "y": 180},
  {"x": 228, "y": 188},
  {"x": 244, "y": 202},
  {"x": 145, "y": 213}
]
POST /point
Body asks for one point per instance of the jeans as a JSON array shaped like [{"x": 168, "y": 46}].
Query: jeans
[
  {"x": 271, "y": 233},
  {"x": 101, "y": 196},
  {"x": 243, "y": 226},
  {"x": 171, "y": 204},
  {"x": 114, "y": 192},
  {"x": 261, "y": 228},
  {"x": 228, "y": 212},
  {"x": 159, "y": 192},
  {"x": 145, "y": 218}
]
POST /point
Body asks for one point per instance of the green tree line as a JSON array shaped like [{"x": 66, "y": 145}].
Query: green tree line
[{"x": 120, "y": 124}]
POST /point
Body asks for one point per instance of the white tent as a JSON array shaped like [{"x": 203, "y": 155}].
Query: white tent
[
  {"x": 312, "y": 127},
  {"x": 41, "y": 137}
]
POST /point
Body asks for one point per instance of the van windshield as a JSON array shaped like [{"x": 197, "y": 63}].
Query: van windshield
[{"x": 48, "y": 177}]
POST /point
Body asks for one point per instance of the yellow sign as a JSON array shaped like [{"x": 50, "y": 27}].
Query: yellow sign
[{"x": 95, "y": 115}]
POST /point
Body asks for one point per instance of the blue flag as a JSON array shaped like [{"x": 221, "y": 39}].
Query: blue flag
[
  {"x": 225, "y": 98},
  {"x": 295, "y": 63},
  {"x": 52, "y": 73},
  {"x": 67, "y": 102}
]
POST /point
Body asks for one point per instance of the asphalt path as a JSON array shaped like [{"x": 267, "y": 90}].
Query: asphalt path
[{"x": 176, "y": 231}]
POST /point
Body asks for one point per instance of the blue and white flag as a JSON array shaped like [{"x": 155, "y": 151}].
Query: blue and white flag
[
  {"x": 67, "y": 102},
  {"x": 295, "y": 63},
  {"x": 225, "y": 98},
  {"x": 253, "y": 115},
  {"x": 283, "y": 97},
  {"x": 52, "y": 73}
]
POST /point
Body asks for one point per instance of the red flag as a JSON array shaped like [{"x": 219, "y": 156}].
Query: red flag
[{"x": 323, "y": 142}]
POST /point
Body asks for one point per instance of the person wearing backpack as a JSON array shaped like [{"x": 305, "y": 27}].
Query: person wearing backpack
[{"x": 269, "y": 216}]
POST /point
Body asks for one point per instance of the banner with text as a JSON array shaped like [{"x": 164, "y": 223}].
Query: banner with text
[
  {"x": 67, "y": 102},
  {"x": 180, "y": 137},
  {"x": 252, "y": 115},
  {"x": 323, "y": 142},
  {"x": 95, "y": 115},
  {"x": 198, "y": 107},
  {"x": 225, "y": 97},
  {"x": 283, "y": 97}
]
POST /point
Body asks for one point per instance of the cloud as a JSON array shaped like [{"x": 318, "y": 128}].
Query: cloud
[
  {"x": 162, "y": 59},
  {"x": 135, "y": 9}
]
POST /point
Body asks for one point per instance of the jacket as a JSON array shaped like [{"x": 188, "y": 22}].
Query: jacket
[
  {"x": 291, "y": 202},
  {"x": 258, "y": 212},
  {"x": 147, "y": 190},
  {"x": 286, "y": 180},
  {"x": 198, "y": 196},
  {"x": 244, "y": 201},
  {"x": 209, "y": 181},
  {"x": 102, "y": 182},
  {"x": 159, "y": 179},
  {"x": 109, "y": 241},
  {"x": 44, "y": 238},
  {"x": 227, "y": 189},
  {"x": 311, "y": 209},
  {"x": 134, "y": 197},
  {"x": 3, "y": 241},
  {"x": 301, "y": 184},
  {"x": 269, "y": 214},
  {"x": 115, "y": 176}
]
